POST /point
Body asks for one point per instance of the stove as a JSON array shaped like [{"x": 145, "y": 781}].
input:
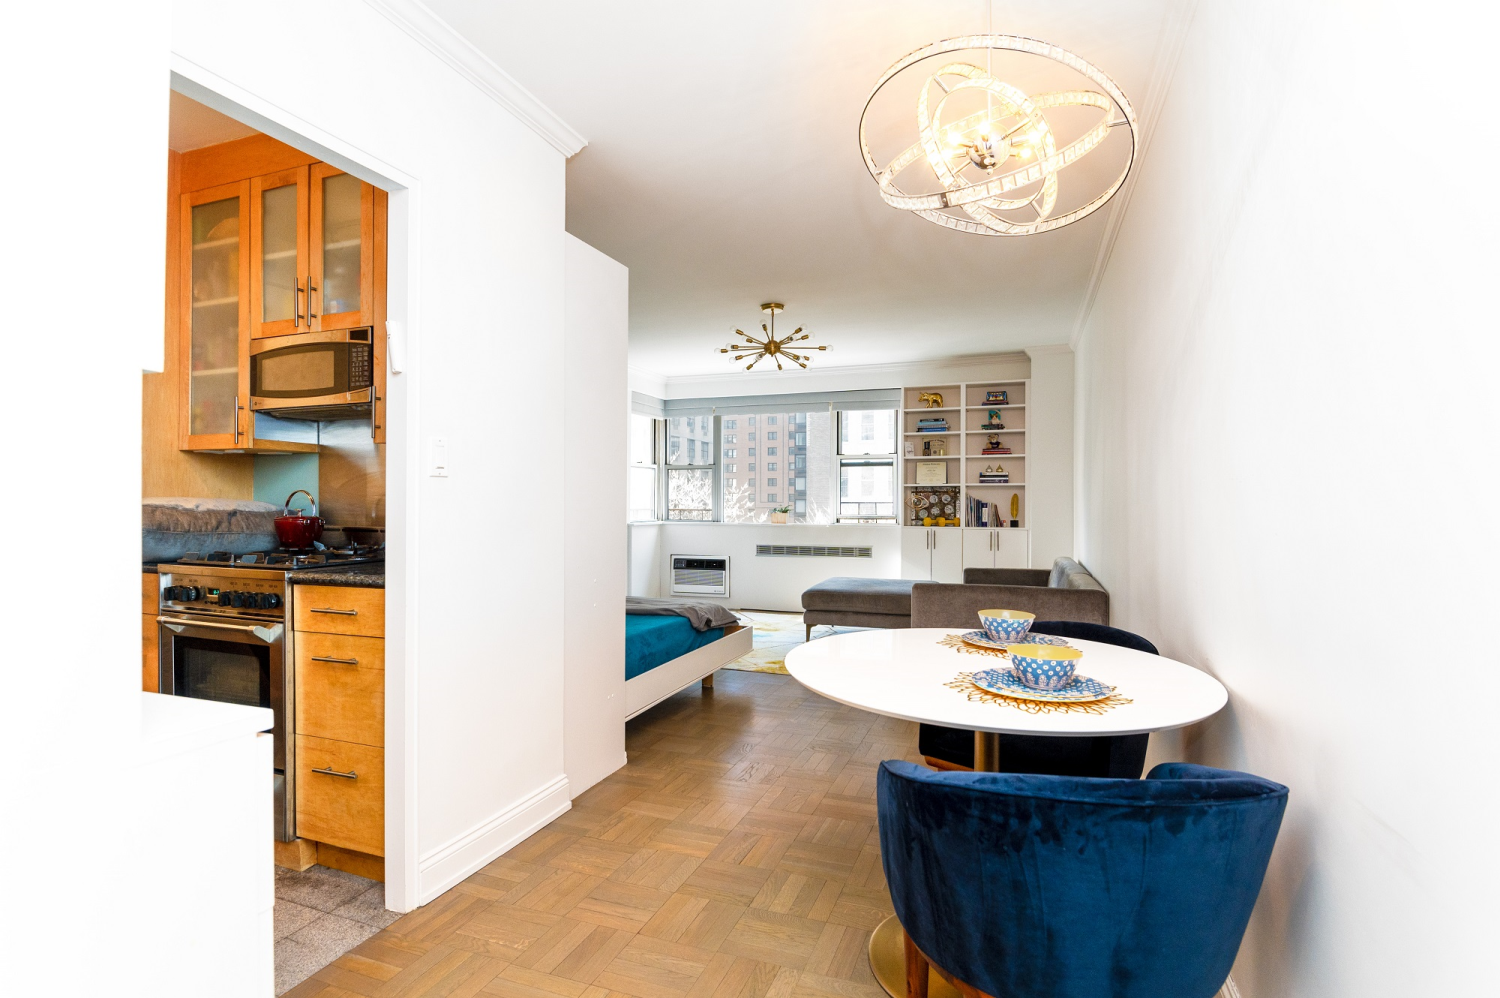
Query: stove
[
  {"x": 223, "y": 634},
  {"x": 286, "y": 560}
]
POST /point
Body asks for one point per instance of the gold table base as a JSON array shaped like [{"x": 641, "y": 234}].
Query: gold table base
[{"x": 888, "y": 963}]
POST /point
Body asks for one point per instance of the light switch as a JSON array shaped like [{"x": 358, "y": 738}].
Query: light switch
[{"x": 438, "y": 457}]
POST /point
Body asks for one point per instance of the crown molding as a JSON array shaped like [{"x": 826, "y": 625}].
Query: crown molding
[
  {"x": 1179, "y": 18},
  {"x": 1049, "y": 349},
  {"x": 442, "y": 40}
]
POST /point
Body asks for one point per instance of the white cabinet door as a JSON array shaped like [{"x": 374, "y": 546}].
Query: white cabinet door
[
  {"x": 1012, "y": 548},
  {"x": 947, "y": 554},
  {"x": 916, "y": 553},
  {"x": 979, "y": 547}
]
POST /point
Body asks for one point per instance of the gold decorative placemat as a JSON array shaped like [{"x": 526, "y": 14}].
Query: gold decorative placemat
[
  {"x": 954, "y": 641},
  {"x": 964, "y": 683}
]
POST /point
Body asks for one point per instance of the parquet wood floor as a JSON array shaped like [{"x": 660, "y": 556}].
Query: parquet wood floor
[{"x": 735, "y": 856}]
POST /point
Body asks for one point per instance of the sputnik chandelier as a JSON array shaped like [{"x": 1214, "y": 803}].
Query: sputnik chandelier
[
  {"x": 771, "y": 346},
  {"x": 993, "y": 151}
]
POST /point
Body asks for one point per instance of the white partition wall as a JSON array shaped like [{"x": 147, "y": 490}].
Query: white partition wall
[{"x": 596, "y": 329}]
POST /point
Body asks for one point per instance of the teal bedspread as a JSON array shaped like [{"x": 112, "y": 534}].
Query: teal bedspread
[{"x": 651, "y": 640}]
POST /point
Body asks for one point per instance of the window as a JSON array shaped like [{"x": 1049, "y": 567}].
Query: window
[
  {"x": 690, "y": 468},
  {"x": 729, "y": 469},
  {"x": 729, "y": 425},
  {"x": 812, "y": 501},
  {"x": 730, "y": 452},
  {"x": 640, "y": 494},
  {"x": 729, "y": 438},
  {"x": 867, "y": 465}
]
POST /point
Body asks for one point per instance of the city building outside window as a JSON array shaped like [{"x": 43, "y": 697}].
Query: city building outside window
[
  {"x": 813, "y": 453},
  {"x": 690, "y": 468},
  {"x": 867, "y": 465}
]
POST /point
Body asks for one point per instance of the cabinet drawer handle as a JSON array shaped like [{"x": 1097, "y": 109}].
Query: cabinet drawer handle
[
  {"x": 345, "y": 613},
  {"x": 351, "y": 775},
  {"x": 337, "y": 661}
]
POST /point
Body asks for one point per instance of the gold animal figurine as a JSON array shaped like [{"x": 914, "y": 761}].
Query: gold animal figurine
[{"x": 932, "y": 400}]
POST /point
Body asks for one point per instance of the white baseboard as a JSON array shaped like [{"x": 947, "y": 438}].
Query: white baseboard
[{"x": 470, "y": 851}]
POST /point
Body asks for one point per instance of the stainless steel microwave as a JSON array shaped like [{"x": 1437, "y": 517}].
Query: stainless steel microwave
[{"x": 325, "y": 375}]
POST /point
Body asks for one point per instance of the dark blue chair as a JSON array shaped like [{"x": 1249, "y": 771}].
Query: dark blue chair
[
  {"x": 1111, "y": 755},
  {"x": 1026, "y": 886}
]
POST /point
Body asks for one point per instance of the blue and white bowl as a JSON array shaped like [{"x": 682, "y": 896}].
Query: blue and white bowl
[
  {"x": 1006, "y": 626},
  {"x": 1044, "y": 667}
]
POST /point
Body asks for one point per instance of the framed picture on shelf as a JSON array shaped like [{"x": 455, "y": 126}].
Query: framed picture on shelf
[
  {"x": 932, "y": 472},
  {"x": 911, "y": 448},
  {"x": 997, "y": 398}
]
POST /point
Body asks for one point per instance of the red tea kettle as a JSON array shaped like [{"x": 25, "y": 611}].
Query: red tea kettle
[{"x": 298, "y": 529}]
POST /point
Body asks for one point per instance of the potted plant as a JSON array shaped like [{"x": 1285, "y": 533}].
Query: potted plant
[{"x": 778, "y": 515}]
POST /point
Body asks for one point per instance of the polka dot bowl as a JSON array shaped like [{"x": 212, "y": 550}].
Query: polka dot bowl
[
  {"x": 1005, "y": 626},
  {"x": 1044, "y": 667}
]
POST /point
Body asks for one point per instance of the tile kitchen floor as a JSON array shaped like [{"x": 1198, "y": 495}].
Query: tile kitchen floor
[{"x": 321, "y": 914}]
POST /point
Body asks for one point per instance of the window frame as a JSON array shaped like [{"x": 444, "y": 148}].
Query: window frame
[
  {"x": 841, "y": 460},
  {"x": 716, "y": 509}
]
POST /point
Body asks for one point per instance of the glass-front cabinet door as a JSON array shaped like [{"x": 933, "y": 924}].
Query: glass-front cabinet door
[
  {"x": 216, "y": 303},
  {"x": 342, "y": 227},
  {"x": 278, "y": 254}
]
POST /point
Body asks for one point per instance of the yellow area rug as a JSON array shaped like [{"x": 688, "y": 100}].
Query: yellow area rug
[{"x": 774, "y": 635}]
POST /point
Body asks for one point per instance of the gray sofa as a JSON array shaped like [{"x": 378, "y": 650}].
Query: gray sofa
[
  {"x": 1067, "y": 592},
  {"x": 855, "y": 602}
]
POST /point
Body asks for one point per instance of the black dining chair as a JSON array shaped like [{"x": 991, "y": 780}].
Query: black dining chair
[{"x": 1118, "y": 756}]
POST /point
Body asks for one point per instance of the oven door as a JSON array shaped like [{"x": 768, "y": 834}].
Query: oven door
[
  {"x": 234, "y": 660},
  {"x": 310, "y": 370}
]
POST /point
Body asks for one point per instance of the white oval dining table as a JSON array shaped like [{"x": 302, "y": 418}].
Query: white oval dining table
[{"x": 905, "y": 672}]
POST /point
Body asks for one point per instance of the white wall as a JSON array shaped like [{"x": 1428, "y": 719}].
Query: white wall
[
  {"x": 596, "y": 337},
  {"x": 1049, "y": 454},
  {"x": 644, "y": 553},
  {"x": 1287, "y": 428},
  {"x": 776, "y": 583},
  {"x": 474, "y": 667}
]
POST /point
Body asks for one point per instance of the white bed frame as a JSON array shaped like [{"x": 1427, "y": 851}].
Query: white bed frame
[{"x": 651, "y": 688}]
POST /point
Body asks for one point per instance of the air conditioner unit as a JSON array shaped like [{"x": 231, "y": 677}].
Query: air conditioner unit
[{"x": 696, "y": 575}]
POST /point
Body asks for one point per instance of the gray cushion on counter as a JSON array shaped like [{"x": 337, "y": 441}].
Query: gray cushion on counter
[
  {"x": 173, "y": 526},
  {"x": 853, "y": 595}
]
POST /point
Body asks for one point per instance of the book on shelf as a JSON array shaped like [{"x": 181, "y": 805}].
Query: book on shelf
[
  {"x": 932, "y": 429},
  {"x": 995, "y": 479},
  {"x": 995, "y": 450}
]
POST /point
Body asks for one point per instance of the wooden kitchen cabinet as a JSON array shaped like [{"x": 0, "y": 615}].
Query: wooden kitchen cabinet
[
  {"x": 338, "y": 652},
  {"x": 150, "y": 681},
  {"x": 269, "y": 244},
  {"x": 341, "y": 794},
  {"x": 215, "y": 312},
  {"x": 341, "y": 687},
  {"x": 340, "y": 610},
  {"x": 317, "y": 251}
]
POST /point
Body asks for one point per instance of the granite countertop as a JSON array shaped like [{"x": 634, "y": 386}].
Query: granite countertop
[{"x": 371, "y": 576}]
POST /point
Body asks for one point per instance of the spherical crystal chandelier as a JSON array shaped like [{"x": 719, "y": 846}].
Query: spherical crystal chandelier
[{"x": 988, "y": 157}]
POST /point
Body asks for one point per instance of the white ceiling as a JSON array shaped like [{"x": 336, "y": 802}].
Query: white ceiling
[
  {"x": 723, "y": 168},
  {"x": 194, "y": 125}
]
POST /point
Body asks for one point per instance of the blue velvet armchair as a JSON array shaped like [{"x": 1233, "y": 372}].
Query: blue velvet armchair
[{"x": 1027, "y": 886}]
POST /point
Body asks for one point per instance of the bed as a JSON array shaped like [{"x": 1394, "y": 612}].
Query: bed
[{"x": 664, "y": 654}]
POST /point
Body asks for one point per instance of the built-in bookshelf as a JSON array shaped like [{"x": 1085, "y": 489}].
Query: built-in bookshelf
[{"x": 956, "y": 432}]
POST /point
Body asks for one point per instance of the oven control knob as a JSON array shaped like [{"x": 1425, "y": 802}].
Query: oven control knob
[
  {"x": 171, "y": 593},
  {"x": 223, "y": 598},
  {"x": 267, "y": 601},
  {"x": 238, "y": 599}
]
